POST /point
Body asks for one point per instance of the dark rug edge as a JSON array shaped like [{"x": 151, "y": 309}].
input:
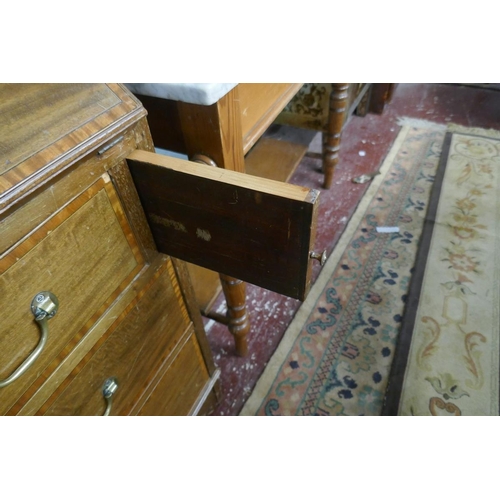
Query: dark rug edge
[{"x": 397, "y": 373}]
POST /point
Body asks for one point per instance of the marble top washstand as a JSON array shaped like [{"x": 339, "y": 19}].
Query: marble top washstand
[{"x": 194, "y": 93}]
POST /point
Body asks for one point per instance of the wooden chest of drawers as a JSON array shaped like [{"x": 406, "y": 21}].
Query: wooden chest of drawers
[
  {"x": 72, "y": 225},
  {"x": 127, "y": 337}
]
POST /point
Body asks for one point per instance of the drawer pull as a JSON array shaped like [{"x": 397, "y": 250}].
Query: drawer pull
[
  {"x": 43, "y": 306},
  {"x": 108, "y": 389},
  {"x": 321, "y": 257}
]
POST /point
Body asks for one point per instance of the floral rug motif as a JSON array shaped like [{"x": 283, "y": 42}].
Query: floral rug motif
[
  {"x": 336, "y": 356},
  {"x": 448, "y": 362}
]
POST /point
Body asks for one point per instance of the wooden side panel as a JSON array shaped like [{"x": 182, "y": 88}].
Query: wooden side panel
[
  {"x": 164, "y": 123},
  {"x": 260, "y": 104},
  {"x": 254, "y": 229},
  {"x": 206, "y": 285},
  {"x": 214, "y": 131},
  {"x": 181, "y": 385}
]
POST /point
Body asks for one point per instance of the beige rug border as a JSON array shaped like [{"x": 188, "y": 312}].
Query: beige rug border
[
  {"x": 450, "y": 127},
  {"x": 266, "y": 379},
  {"x": 495, "y": 341}
]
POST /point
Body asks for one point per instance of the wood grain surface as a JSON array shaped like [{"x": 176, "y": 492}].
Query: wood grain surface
[
  {"x": 178, "y": 389},
  {"x": 251, "y": 228},
  {"x": 51, "y": 142},
  {"x": 69, "y": 256},
  {"x": 133, "y": 353},
  {"x": 260, "y": 104},
  {"x": 214, "y": 131}
]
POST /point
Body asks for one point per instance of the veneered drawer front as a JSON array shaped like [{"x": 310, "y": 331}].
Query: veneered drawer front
[
  {"x": 133, "y": 351},
  {"x": 179, "y": 388},
  {"x": 254, "y": 229},
  {"x": 86, "y": 255}
]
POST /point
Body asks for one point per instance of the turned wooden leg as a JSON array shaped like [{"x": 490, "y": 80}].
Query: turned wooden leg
[
  {"x": 213, "y": 136},
  {"x": 331, "y": 136},
  {"x": 237, "y": 315}
]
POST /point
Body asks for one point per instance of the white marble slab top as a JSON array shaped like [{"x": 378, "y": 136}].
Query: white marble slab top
[{"x": 194, "y": 93}]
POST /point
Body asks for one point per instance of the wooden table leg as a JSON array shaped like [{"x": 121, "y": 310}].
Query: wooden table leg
[
  {"x": 213, "y": 136},
  {"x": 237, "y": 316},
  {"x": 331, "y": 136}
]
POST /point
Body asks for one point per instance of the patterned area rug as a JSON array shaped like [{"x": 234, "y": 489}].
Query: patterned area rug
[
  {"x": 336, "y": 355},
  {"x": 447, "y": 362}
]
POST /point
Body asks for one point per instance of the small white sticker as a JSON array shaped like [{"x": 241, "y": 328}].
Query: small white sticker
[{"x": 387, "y": 229}]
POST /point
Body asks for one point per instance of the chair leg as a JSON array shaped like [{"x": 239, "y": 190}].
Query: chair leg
[{"x": 331, "y": 136}]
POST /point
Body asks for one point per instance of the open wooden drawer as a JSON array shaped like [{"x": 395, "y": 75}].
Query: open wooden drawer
[{"x": 257, "y": 230}]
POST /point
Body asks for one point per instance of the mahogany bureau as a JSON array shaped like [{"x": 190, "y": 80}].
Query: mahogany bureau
[{"x": 98, "y": 310}]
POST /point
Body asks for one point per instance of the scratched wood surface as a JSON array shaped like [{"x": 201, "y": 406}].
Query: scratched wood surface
[
  {"x": 46, "y": 127},
  {"x": 27, "y": 133},
  {"x": 254, "y": 229}
]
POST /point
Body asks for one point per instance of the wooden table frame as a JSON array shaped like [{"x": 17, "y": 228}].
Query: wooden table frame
[{"x": 220, "y": 135}]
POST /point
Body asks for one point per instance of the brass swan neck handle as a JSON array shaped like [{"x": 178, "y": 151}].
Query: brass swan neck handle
[{"x": 43, "y": 306}]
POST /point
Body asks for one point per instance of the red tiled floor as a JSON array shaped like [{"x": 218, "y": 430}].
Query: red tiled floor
[{"x": 271, "y": 313}]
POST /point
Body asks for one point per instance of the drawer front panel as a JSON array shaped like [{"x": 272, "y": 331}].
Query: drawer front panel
[
  {"x": 258, "y": 230},
  {"x": 133, "y": 351},
  {"x": 86, "y": 255},
  {"x": 181, "y": 385}
]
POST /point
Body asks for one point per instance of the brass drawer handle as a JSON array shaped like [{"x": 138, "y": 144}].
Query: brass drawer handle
[
  {"x": 109, "y": 387},
  {"x": 44, "y": 306},
  {"x": 320, "y": 257}
]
